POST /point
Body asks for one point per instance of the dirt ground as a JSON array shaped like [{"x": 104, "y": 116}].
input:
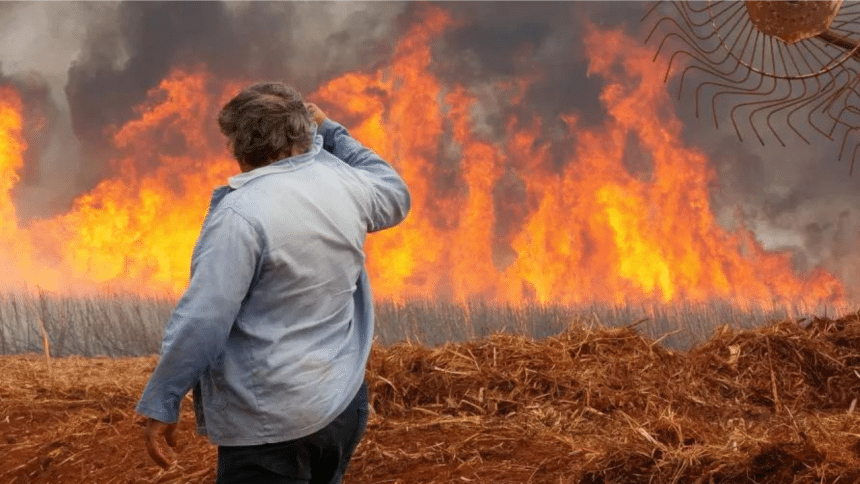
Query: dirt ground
[{"x": 774, "y": 405}]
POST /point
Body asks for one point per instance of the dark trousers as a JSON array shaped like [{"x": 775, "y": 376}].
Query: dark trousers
[{"x": 321, "y": 457}]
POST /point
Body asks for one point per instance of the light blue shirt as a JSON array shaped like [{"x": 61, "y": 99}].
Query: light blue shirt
[{"x": 275, "y": 326}]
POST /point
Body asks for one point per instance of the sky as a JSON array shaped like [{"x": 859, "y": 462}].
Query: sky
[{"x": 84, "y": 66}]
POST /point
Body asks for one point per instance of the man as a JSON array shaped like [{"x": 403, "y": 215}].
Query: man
[{"x": 275, "y": 326}]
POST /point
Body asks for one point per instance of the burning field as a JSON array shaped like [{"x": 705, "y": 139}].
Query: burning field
[
  {"x": 774, "y": 405},
  {"x": 610, "y": 205},
  {"x": 508, "y": 206}
]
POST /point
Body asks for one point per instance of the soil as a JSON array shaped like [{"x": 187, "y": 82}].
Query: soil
[{"x": 772, "y": 405}]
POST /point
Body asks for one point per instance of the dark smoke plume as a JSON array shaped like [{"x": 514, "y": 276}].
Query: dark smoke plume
[
  {"x": 257, "y": 40},
  {"x": 40, "y": 119}
]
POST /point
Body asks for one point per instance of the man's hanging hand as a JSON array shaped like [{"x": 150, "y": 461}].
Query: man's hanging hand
[{"x": 156, "y": 434}]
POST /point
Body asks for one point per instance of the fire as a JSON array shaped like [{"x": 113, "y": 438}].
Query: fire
[
  {"x": 135, "y": 232},
  {"x": 15, "y": 246},
  {"x": 11, "y": 157},
  {"x": 597, "y": 231},
  {"x": 588, "y": 228}
]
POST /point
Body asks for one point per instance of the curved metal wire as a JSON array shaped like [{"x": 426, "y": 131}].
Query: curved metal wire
[{"x": 765, "y": 86}]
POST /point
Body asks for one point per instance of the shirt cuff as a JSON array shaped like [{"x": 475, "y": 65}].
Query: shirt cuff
[{"x": 162, "y": 414}]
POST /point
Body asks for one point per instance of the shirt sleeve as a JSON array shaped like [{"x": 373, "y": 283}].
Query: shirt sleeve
[
  {"x": 224, "y": 264},
  {"x": 389, "y": 194}
]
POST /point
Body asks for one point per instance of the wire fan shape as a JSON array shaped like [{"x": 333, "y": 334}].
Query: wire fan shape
[{"x": 776, "y": 67}]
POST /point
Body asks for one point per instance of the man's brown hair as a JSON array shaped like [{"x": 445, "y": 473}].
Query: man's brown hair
[{"x": 264, "y": 122}]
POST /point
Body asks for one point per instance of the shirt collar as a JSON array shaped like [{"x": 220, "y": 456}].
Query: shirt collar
[{"x": 280, "y": 166}]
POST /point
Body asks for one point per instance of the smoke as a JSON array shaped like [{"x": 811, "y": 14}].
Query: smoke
[
  {"x": 95, "y": 61},
  {"x": 40, "y": 126},
  {"x": 38, "y": 41},
  {"x": 797, "y": 198},
  {"x": 300, "y": 43},
  {"x": 84, "y": 66}
]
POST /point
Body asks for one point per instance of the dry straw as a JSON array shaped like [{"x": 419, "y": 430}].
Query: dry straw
[{"x": 591, "y": 405}]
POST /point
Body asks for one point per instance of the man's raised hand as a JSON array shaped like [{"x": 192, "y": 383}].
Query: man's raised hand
[{"x": 316, "y": 113}]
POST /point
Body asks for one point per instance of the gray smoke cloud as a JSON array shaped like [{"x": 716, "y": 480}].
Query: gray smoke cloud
[
  {"x": 798, "y": 197},
  {"x": 38, "y": 42},
  {"x": 95, "y": 61},
  {"x": 301, "y": 43},
  {"x": 91, "y": 63}
]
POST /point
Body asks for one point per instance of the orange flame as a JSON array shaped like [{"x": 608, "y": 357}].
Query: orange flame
[
  {"x": 135, "y": 232},
  {"x": 15, "y": 246},
  {"x": 593, "y": 230}
]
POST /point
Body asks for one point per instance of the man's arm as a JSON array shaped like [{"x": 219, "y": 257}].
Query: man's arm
[
  {"x": 391, "y": 201},
  {"x": 224, "y": 264}
]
